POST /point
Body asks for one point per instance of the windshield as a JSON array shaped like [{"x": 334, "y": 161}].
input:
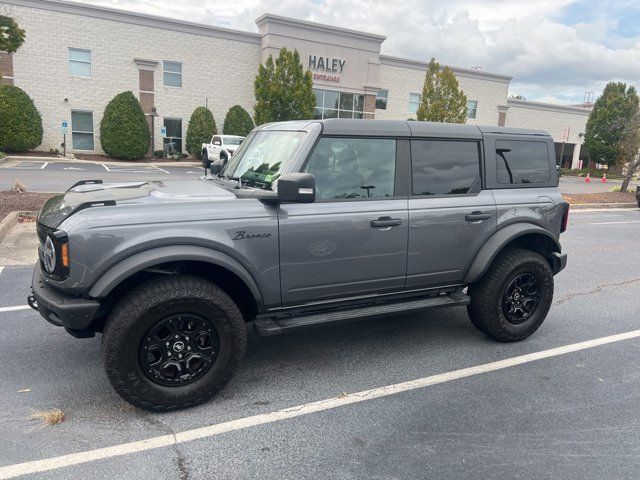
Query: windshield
[
  {"x": 258, "y": 161},
  {"x": 232, "y": 140}
]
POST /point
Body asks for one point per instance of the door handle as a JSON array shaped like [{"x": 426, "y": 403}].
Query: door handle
[
  {"x": 384, "y": 222},
  {"x": 477, "y": 216}
]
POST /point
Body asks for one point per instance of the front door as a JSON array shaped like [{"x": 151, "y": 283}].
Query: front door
[
  {"x": 450, "y": 216},
  {"x": 353, "y": 240}
]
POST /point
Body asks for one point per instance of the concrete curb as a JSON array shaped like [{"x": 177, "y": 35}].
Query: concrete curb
[
  {"x": 11, "y": 220},
  {"x": 580, "y": 206},
  {"x": 95, "y": 162}
]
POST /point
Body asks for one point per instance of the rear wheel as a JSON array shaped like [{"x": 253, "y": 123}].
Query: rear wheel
[
  {"x": 513, "y": 298},
  {"x": 173, "y": 342}
]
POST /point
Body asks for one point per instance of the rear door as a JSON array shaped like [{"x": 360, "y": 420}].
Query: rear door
[
  {"x": 450, "y": 216},
  {"x": 353, "y": 240}
]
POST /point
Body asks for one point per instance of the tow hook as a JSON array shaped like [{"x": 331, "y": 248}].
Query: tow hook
[{"x": 33, "y": 303}]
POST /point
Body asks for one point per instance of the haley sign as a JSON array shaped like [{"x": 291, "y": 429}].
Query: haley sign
[{"x": 332, "y": 67}]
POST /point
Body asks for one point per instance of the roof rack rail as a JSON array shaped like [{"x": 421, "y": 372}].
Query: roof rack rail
[
  {"x": 85, "y": 182},
  {"x": 93, "y": 203}
]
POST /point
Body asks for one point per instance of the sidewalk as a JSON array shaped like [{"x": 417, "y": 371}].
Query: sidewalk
[
  {"x": 20, "y": 246},
  {"x": 10, "y": 159}
]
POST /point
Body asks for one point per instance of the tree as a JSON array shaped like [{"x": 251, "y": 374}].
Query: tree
[
  {"x": 442, "y": 100},
  {"x": 631, "y": 149},
  {"x": 201, "y": 128},
  {"x": 11, "y": 35},
  {"x": 237, "y": 122},
  {"x": 20, "y": 121},
  {"x": 607, "y": 126},
  {"x": 283, "y": 90},
  {"x": 124, "y": 132}
]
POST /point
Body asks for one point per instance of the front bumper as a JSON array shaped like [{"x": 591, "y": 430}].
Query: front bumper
[{"x": 59, "y": 308}]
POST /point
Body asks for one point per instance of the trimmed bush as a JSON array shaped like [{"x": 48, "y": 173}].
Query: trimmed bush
[
  {"x": 158, "y": 153},
  {"x": 124, "y": 132},
  {"x": 201, "y": 128},
  {"x": 20, "y": 121},
  {"x": 238, "y": 122}
]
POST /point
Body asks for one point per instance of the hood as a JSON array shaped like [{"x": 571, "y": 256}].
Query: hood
[{"x": 80, "y": 197}]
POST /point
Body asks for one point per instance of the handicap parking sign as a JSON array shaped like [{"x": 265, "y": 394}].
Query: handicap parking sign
[
  {"x": 163, "y": 131},
  {"x": 64, "y": 127}
]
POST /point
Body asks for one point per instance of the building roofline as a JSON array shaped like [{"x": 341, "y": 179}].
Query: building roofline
[
  {"x": 420, "y": 65},
  {"x": 319, "y": 27},
  {"x": 135, "y": 18},
  {"x": 513, "y": 102}
]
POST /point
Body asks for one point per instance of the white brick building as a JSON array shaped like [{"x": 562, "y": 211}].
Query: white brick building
[{"x": 76, "y": 57}]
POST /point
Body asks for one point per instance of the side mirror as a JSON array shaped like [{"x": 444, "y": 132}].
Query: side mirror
[{"x": 297, "y": 187}]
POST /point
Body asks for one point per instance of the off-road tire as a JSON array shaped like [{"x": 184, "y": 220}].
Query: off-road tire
[
  {"x": 485, "y": 310},
  {"x": 147, "y": 304}
]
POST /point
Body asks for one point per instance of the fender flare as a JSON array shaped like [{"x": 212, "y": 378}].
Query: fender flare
[
  {"x": 139, "y": 261},
  {"x": 498, "y": 241}
]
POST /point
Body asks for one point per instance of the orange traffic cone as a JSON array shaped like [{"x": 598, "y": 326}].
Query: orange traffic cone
[
  {"x": 588, "y": 179},
  {"x": 604, "y": 178}
]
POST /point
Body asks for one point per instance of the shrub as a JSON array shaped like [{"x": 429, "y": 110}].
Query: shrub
[
  {"x": 158, "y": 153},
  {"x": 201, "y": 128},
  {"x": 238, "y": 122},
  {"x": 20, "y": 121},
  {"x": 124, "y": 132},
  {"x": 1, "y": 155}
]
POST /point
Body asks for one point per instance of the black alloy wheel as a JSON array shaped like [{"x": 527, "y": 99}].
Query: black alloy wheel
[
  {"x": 179, "y": 349},
  {"x": 521, "y": 298}
]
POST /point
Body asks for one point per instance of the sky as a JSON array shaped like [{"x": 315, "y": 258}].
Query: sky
[{"x": 556, "y": 50}]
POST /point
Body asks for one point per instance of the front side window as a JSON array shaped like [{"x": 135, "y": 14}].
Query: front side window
[
  {"x": 82, "y": 130},
  {"x": 261, "y": 157},
  {"x": 80, "y": 62},
  {"x": 414, "y": 102},
  {"x": 353, "y": 168},
  {"x": 522, "y": 161},
  {"x": 172, "y": 74},
  {"x": 173, "y": 139},
  {"x": 472, "y": 108},
  {"x": 444, "y": 167},
  {"x": 381, "y": 99}
]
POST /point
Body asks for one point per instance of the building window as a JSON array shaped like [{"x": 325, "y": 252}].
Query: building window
[
  {"x": 81, "y": 130},
  {"x": 414, "y": 102},
  {"x": 472, "y": 108},
  {"x": 172, "y": 74},
  {"x": 80, "y": 62},
  {"x": 381, "y": 99},
  {"x": 173, "y": 141},
  {"x": 332, "y": 104}
]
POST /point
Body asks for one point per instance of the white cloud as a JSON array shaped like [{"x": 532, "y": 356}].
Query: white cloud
[{"x": 550, "y": 55}]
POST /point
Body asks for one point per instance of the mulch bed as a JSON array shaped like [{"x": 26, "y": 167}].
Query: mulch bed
[
  {"x": 602, "y": 197},
  {"x": 10, "y": 201}
]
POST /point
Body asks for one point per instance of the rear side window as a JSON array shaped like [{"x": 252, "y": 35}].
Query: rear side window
[
  {"x": 347, "y": 168},
  {"x": 444, "y": 167},
  {"x": 522, "y": 161}
]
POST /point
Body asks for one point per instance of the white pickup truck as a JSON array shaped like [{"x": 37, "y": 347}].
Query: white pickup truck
[{"x": 221, "y": 147}]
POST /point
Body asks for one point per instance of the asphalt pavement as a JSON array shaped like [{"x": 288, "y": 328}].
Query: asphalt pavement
[{"x": 568, "y": 413}]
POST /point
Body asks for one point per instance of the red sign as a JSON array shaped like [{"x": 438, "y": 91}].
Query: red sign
[{"x": 564, "y": 138}]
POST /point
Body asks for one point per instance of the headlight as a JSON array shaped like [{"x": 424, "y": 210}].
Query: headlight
[{"x": 55, "y": 254}]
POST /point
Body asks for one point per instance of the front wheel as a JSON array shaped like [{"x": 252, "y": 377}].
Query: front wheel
[
  {"x": 173, "y": 342},
  {"x": 512, "y": 299}
]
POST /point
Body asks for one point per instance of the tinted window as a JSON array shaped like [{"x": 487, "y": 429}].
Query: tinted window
[
  {"x": 442, "y": 167},
  {"x": 353, "y": 168},
  {"x": 522, "y": 161}
]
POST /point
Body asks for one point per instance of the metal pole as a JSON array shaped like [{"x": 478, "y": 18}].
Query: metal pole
[
  {"x": 64, "y": 144},
  {"x": 561, "y": 154},
  {"x": 153, "y": 139}
]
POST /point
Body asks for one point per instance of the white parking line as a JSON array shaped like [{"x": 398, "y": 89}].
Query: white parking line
[
  {"x": 105, "y": 167},
  {"x": 14, "y": 309},
  {"x": 161, "y": 169},
  {"x": 43, "y": 166},
  {"x": 11, "y": 471},
  {"x": 615, "y": 223}
]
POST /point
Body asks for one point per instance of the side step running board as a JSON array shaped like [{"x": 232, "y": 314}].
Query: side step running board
[{"x": 277, "y": 325}]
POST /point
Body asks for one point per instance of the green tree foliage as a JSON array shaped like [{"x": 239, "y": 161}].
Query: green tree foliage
[
  {"x": 11, "y": 35},
  {"x": 201, "y": 128},
  {"x": 631, "y": 149},
  {"x": 442, "y": 100},
  {"x": 238, "y": 122},
  {"x": 124, "y": 132},
  {"x": 283, "y": 90},
  {"x": 20, "y": 121},
  {"x": 608, "y": 123}
]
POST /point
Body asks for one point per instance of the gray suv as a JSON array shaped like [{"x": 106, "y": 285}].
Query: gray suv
[{"x": 310, "y": 222}]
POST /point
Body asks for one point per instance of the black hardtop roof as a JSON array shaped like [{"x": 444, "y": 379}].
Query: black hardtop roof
[{"x": 401, "y": 128}]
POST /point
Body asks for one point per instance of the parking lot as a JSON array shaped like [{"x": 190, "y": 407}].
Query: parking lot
[
  {"x": 50, "y": 176},
  {"x": 414, "y": 396}
]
